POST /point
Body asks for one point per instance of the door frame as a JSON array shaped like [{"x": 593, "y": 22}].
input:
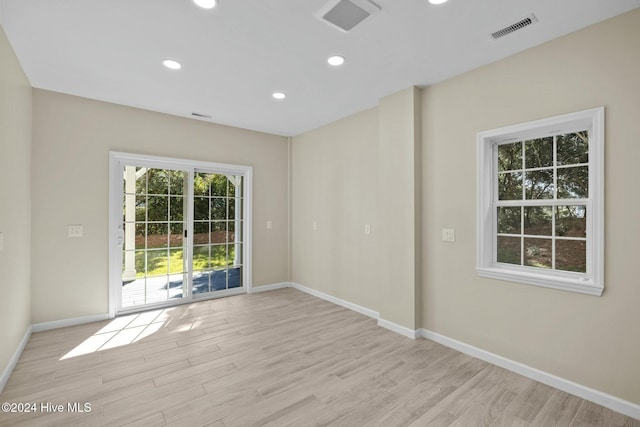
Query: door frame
[{"x": 117, "y": 161}]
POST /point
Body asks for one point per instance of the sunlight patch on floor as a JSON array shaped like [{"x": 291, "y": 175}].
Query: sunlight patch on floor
[{"x": 122, "y": 331}]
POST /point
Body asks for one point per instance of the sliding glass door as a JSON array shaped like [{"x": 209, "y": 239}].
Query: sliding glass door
[
  {"x": 154, "y": 252},
  {"x": 217, "y": 232},
  {"x": 181, "y": 231}
]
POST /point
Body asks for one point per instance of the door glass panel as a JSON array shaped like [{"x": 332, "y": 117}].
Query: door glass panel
[
  {"x": 235, "y": 231},
  {"x": 235, "y": 186},
  {"x": 176, "y": 240},
  {"x": 235, "y": 254},
  {"x": 219, "y": 232},
  {"x": 200, "y": 185},
  {"x": 176, "y": 208},
  {"x": 222, "y": 227},
  {"x": 157, "y": 208},
  {"x": 157, "y": 235},
  {"x": 218, "y": 184},
  {"x": 157, "y": 263},
  {"x": 156, "y": 289},
  {"x": 140, "y": 207},
  {"x": 201, "y": 208},
  {"x": 141, "y": 234},
  {"x": 218, "y": 208},
  {"x": 218, "y": 280},
  {"x": 200, "y": 233},
  {"x": 154, "y": 211},
  {"x": 156, "y": 255},
  {"x": 235, "y": 277},
  {"x": 201, "y": 282},
  {"x": 177, "y": 180},
  {"x": 156, "y": 181},
  {"x": 201, "y": 258},
  {"x": 218, "y": 256}
]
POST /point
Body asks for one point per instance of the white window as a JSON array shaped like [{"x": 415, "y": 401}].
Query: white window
[{"x": 541, "y": 202}]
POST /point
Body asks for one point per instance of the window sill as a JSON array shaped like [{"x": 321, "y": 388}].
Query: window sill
[{"x": 571, "y": 284}]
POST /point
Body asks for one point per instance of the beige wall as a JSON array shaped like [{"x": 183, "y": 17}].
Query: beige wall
[
  {"x": 71, "y": 141},
  {"x": 398, "y": 132},
  {"x": 593, "y": 341},
  {"x": 334, "y": 183},
  {"x": 590, "y": 340},
  {"x": 357, "y": 171},
  {"x": 335, "y": 171},
  {"x": 15, "y": 209}
]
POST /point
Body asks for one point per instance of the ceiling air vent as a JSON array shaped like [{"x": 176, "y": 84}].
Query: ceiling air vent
[
  {"x": 346, "y": 14},
  {"x": 515, "y": 27}
]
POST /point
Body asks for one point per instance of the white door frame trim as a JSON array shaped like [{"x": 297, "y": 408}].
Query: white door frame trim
[{"x": 116, "y": 160}]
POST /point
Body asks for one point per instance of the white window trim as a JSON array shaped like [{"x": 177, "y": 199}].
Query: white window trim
[
  {"x": 592, "y": 282},
  {"x": 117, "y": 160}
]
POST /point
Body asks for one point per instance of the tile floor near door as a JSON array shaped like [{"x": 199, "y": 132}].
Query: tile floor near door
[{"x": 279, "y": 358}]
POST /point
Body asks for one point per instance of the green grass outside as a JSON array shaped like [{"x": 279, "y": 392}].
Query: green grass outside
[{"x": 158, "y": 263}]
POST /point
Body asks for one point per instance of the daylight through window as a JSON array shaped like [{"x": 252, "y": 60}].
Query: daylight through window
[{"x": 539, "y": 207}]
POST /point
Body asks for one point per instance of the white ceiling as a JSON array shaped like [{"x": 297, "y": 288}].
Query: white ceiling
[{"x": 236, "y": 55}]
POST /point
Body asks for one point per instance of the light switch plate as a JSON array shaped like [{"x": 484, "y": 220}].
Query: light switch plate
[
  {"x": 269, "y": 225},
  {"x": 448, "y": 235},
  {"x": 367, "y": 229}
]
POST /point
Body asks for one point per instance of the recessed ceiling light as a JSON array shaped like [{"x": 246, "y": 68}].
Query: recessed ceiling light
[
  {"x": 206, "y": 4},
  {"x": 172, "y": 64},
  {"x": 279, "y": 95},
  {"x": 437, "y": 1},
  {"x": 336, "y": 60}
]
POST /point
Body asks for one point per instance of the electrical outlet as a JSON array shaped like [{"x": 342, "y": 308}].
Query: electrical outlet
[
  {"x": 367, "y": 229},
  {"x": 269, "y": 225},
  {"x": 448, "y": 235}
]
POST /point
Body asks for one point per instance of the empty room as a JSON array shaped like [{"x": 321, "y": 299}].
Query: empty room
[{"x": 319, "y": 213}]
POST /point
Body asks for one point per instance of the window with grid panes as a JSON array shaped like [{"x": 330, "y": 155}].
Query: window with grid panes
[{"x": 540, "y": 210}]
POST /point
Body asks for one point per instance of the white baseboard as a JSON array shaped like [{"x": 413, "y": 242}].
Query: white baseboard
[
  {"x": 14, "y": 359},
  {"x": 346, "y": 304},
  {"x": 402, "y": 330},
  {"x": 273, "y": 287},
  {"x": 45, "y": 326},
  {"x": 608, "y": 401}
]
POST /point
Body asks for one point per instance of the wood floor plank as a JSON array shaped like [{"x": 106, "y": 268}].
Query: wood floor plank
[
  {"x": 279, "y": 358},
  {"x": 508, "y": 420},
  {"x": 560, "y": 409},
  {"x": 530, "y": 402},
  {"x": 591, "y": 415},
  {"x": 487, "y": 409}
]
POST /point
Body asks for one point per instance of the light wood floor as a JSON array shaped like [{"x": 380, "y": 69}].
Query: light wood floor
[{"x": 280, "y": 358}]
